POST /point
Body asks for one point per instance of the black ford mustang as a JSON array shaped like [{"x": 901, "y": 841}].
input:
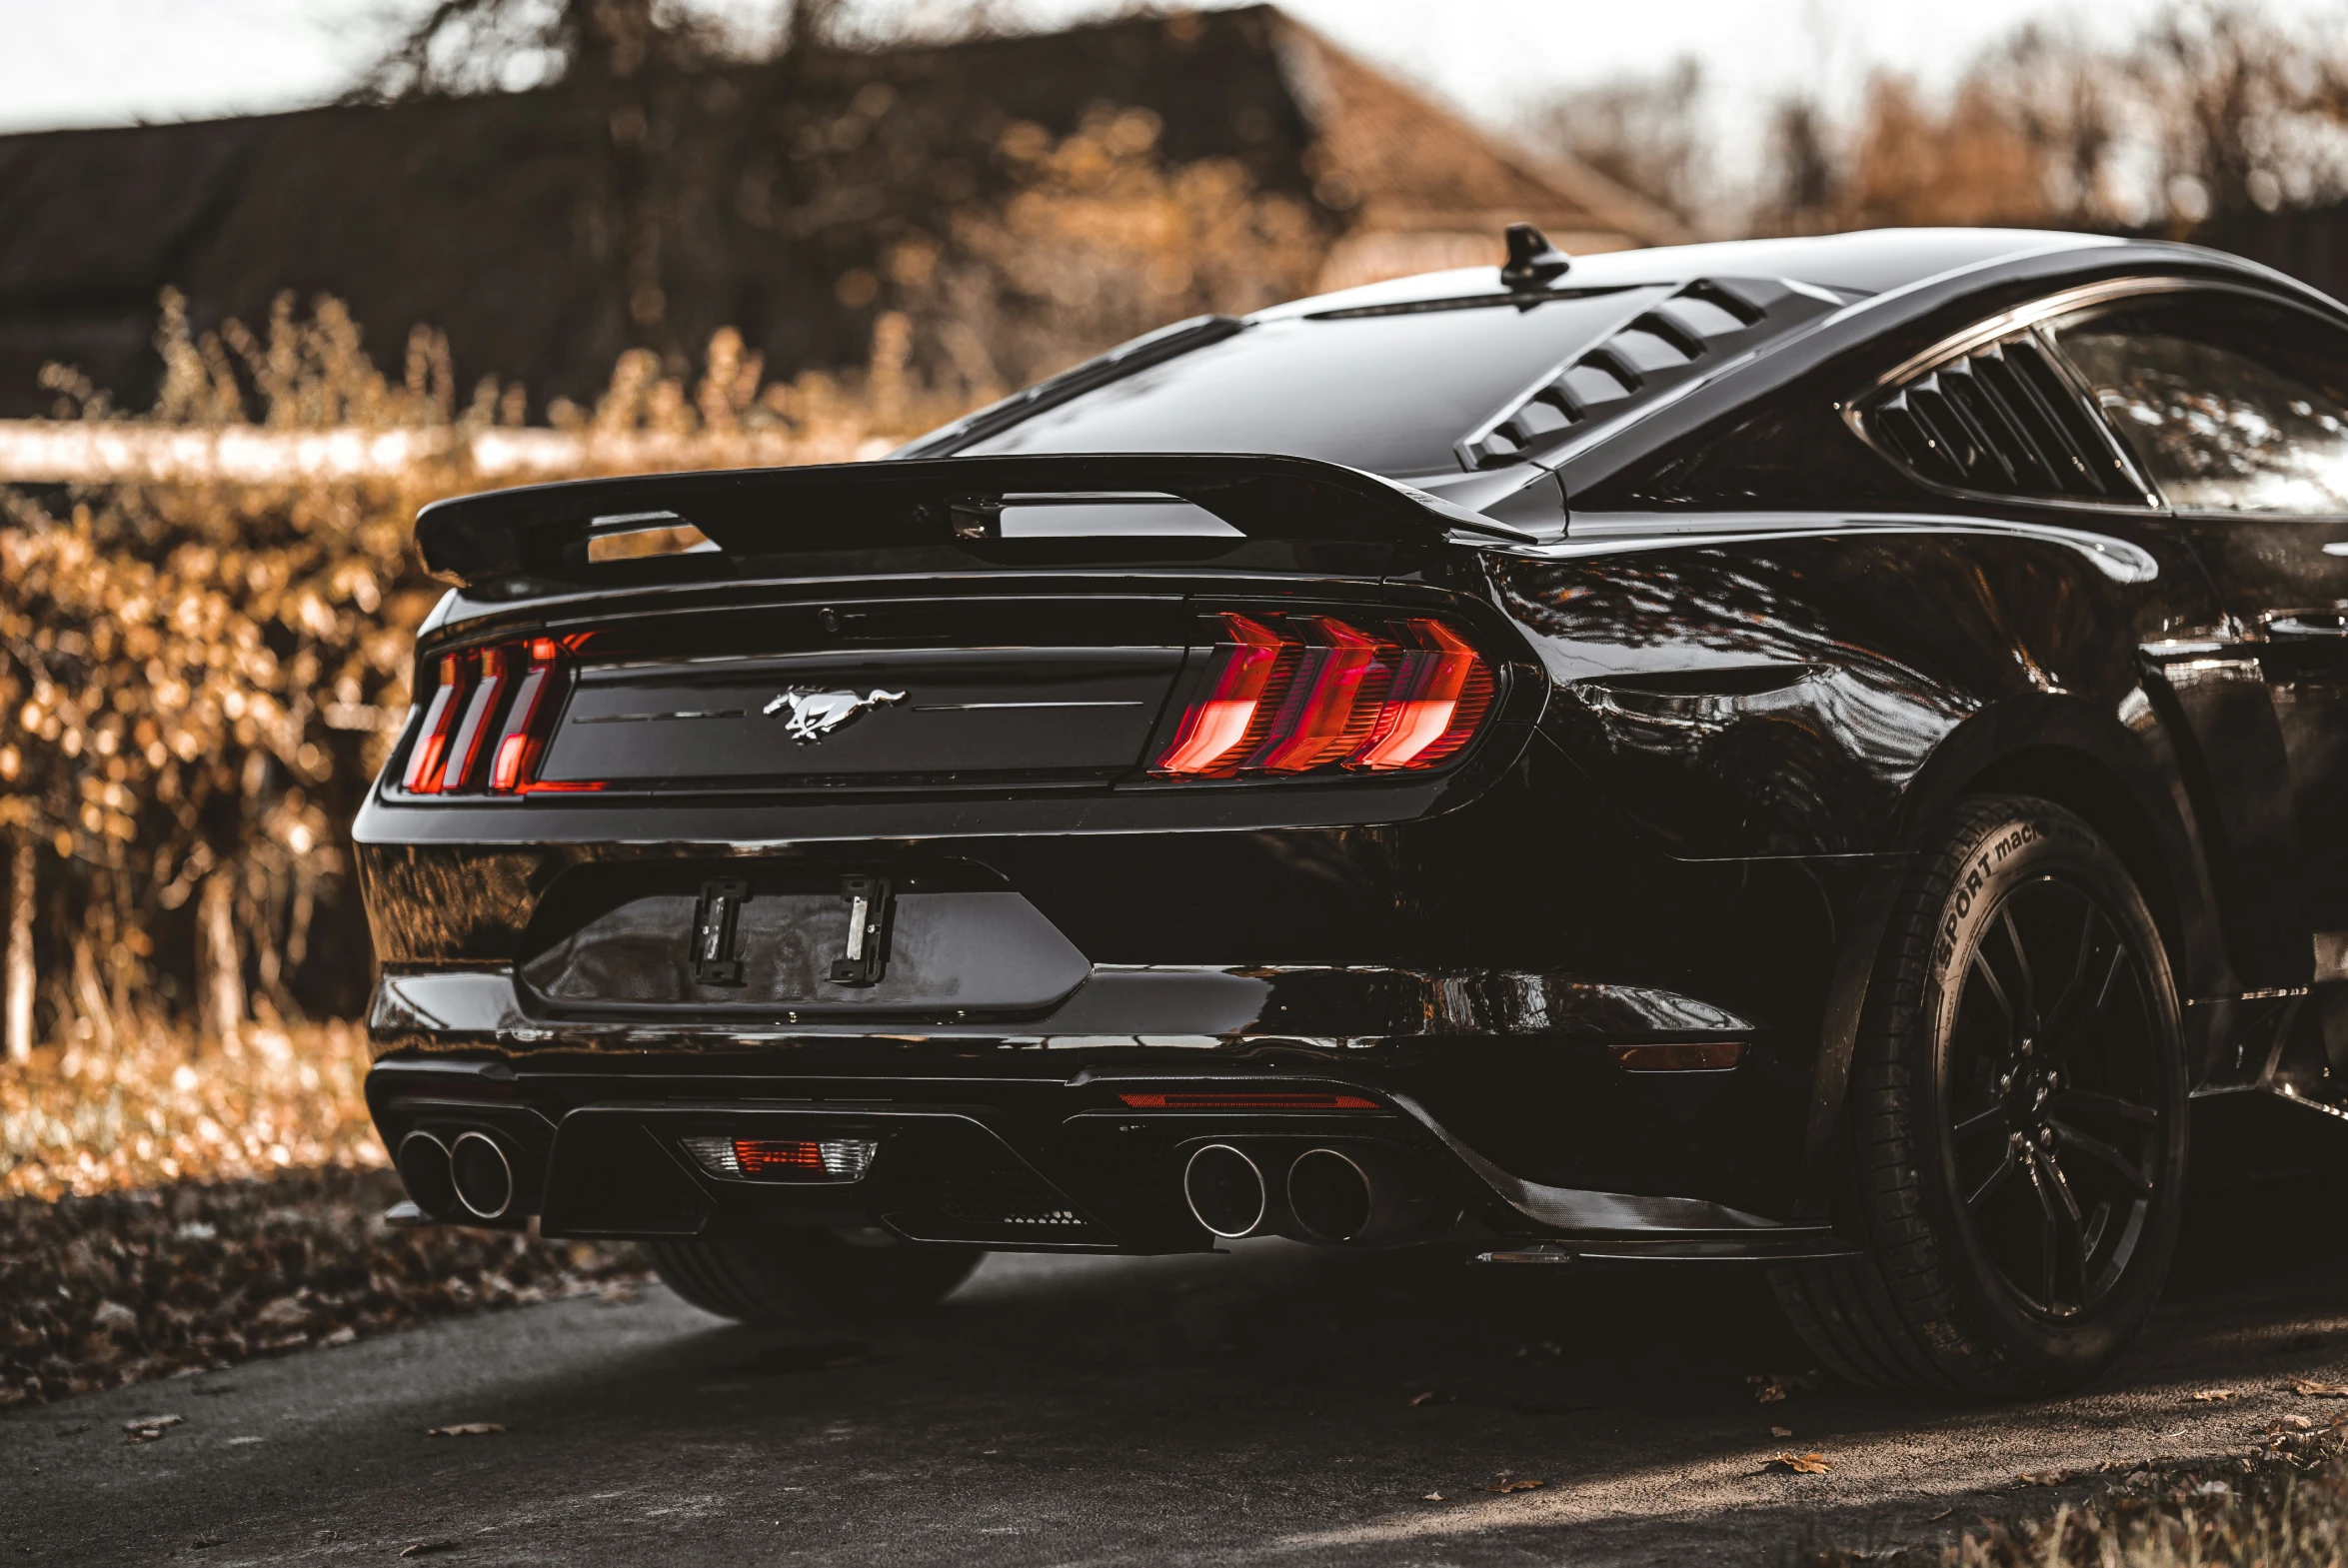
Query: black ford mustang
[{"x": 1828, "y": 753}]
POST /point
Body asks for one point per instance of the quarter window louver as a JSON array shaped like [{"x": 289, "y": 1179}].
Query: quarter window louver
[
  {"x": 1999, "y": 419},
  {"x": 1701, "y": 325}
]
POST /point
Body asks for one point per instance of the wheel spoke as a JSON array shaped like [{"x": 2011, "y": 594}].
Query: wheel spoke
[
  {"x": 2103, "y": 1153},
  {"x": 1977, "y": 1122},
  {"x": 2007, "y": 1163},
  {"x": 2049, "y": 1231},
  {"x": 2076, "y": 1229},
  {"x": 1997, "y": 992},
  {"x": 2077, "y": 1013},
  {"x": 2028, "y": 994},
  {"x": 2109, "y": 1105}
]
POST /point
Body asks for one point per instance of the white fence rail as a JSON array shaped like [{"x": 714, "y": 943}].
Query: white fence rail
[{"x": 36, "y": 452}]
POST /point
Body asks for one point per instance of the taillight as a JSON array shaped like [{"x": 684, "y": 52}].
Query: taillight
[
  {"x": 523, "y": 737},
  {"x": 1292, "y": 694},
  {"x": 440, "y": 717},
  {"x": 486, "y": 723}
]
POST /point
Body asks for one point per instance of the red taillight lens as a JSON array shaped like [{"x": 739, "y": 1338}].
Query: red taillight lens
[
  {"x": 1294, "y": 693},
  {"x": 1205, "y": 1099},
  {"x": 1215, "y": 733},
  {"x": 489, "y": 719},
  {"x": 515, "y": 762},
  {"x": 1438, "y": 697},
  {"x": 440, "y": 717}
]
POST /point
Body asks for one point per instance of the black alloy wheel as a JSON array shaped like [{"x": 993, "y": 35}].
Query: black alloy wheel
[
  {"x": 2016, "y": 1116},
  {"x": 2056, "y": 1101}
]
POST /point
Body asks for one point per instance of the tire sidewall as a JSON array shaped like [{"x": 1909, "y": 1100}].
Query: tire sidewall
[{"x": 2008, "y": 851}]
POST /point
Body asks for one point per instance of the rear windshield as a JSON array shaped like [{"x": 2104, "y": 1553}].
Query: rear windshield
[{"x": 1389, "y": 392}]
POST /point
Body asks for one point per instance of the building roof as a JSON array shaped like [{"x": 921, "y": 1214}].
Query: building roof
[{"x": 493, "y": 217}]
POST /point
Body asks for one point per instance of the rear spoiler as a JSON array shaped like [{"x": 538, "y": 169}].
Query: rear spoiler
[{"x": 544, "y": 531}]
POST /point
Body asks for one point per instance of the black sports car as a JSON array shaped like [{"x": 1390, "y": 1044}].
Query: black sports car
[{"x": 1828, "y": 753}]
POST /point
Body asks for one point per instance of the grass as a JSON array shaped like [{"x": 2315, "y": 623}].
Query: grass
[
  {"x": 2284, "y": 1505},
  {"x": 157, "y": 1109}
]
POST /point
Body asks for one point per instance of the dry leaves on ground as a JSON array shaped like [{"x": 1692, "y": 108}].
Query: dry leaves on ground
[
  {"x": 146, "y": 1428},
  {"x": 2054, "y": 1477},
  {"x": 1803, "y": 1464},
  {"x": 1781, "y": 1431},
  {"x": 1508, "y": 1484},
  {"x": 2210, "y": 1395},
  {"x": 124, "y": 1287},
  {"x": 2312, "y": 1389},
  {"x": 1771, "y": 1388}
]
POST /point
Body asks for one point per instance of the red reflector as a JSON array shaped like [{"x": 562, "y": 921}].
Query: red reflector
[
  {"x": 759, "y": 1156},
  {"x": 1184, "y": 1099},
  {"x": 1693, "y": 1057},
  {"x": 1294, "y": 693},
  {"x": 423, "y": 775}
]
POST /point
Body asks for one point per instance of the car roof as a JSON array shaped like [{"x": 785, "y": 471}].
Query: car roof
[{"x": 1869, "y": 261}]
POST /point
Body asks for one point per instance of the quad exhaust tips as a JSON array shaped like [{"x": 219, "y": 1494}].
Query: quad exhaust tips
[
  {"x": 469, "y": 1173},
  {"x": 1357, "y": 1193}
]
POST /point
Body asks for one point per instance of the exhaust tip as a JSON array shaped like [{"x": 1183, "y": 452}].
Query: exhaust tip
[
  {"x": 1226, "y": 1191},
  {"x": 422, "y": 1161},
  {"x": 481, "y": 1175},
  {"x": 1330, "y": 1193}
]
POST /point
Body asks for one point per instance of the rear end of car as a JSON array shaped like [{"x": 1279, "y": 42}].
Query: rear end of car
[{"x": 1068, "y": 866}]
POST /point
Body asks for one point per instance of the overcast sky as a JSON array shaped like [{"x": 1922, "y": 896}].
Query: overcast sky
[{"x": 112, "y": 62}]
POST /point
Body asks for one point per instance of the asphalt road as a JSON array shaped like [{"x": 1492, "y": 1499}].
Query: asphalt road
[{"x": 1261, "y": 1408}]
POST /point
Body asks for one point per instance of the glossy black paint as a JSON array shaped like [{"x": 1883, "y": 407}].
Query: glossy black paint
[{"x": 1744, "y": 661}]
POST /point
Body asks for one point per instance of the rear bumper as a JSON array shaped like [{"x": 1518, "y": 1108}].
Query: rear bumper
[
  {"x": 1025, "y": 1164},
  {"x": 1498, "y": 1084}
]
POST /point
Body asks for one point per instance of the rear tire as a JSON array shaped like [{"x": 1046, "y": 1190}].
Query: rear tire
[
  {"x": 812, "y": 1277},
  {"x": 2016, "y": 1128}
]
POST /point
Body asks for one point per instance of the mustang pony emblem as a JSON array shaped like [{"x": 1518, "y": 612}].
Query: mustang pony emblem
[{"x": 809, "y": 716}]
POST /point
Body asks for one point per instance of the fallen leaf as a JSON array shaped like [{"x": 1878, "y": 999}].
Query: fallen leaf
[
  {"x": 1775, "y": 1387},
  {"x": 427, "y": 1548},
  {"x": 1936, "y": 1518},
  {"x": 2056, "y": 1477},
  {"x": 1805, "y": 1464},
  {"x": 1781, "y": 1431},
  {"x": 1504, "y": 1483},
  {"x": 1432, "y": 1497},
  {"x": 146, "y": 1428},
  {"x": 2295, "y": 1423},
  {"x": 2210, "y": 1395},
  {"x": 465, "y": 1429},
  {"x": 2312, "y": 1389}
]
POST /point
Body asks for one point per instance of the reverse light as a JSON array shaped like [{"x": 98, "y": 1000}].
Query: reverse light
[
  {"x": 1216, "y": 1099},
  {"x": 784, "y": 1160},
  {"x": 1292, "y": 694}
]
